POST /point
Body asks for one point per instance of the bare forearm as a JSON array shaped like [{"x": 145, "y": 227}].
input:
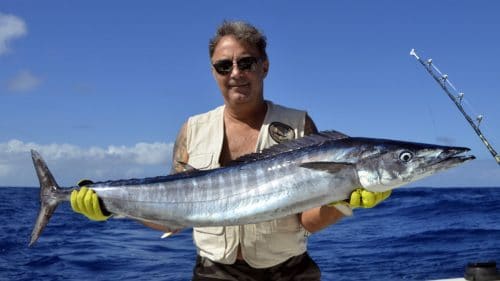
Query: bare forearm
[
  {"x": 155, "y": 226},
  {"x": 167, "y": 231},
  {"x": 314, "y": 220}
]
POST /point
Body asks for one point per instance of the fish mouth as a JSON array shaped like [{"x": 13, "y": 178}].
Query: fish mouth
[{"x": 454, "y": 156}]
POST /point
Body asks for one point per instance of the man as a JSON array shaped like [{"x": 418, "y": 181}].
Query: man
[{"x": 246, "y": 123}]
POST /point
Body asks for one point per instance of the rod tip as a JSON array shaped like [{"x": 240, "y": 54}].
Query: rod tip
[{"x": 414, "y": 53}]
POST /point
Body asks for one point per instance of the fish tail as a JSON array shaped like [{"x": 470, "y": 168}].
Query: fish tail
[{"x": 48, "y": 196}]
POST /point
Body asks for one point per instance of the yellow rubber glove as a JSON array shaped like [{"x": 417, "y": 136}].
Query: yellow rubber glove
[
  {"x": 360, "y": 198},
  {"x": 86, "y": 202}
]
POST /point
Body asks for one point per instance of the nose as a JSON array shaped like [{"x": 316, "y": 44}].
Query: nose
[{"x": 235, "y": 72}]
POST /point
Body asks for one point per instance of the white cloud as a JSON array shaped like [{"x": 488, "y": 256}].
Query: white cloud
[
  {"x": 70, "y": 163},
  {"x": 11, "y": 27},
  {"x": 24, "y": 81}
]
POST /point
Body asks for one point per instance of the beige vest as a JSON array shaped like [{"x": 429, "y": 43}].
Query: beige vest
[{"x": 263, "y": 244}]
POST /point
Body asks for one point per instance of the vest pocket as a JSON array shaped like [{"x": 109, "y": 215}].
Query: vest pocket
[
  {"x": 280, "y": 239},
  {"x": 211, "y": 241}
]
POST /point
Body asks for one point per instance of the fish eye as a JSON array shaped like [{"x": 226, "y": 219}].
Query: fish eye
[{"x": 405, "y": 156}]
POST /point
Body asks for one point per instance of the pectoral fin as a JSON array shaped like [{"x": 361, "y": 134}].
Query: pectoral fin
[{"x": 330, "y": 167}]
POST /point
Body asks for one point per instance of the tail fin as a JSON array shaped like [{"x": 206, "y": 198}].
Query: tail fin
[{"x": 48, "y": 198}]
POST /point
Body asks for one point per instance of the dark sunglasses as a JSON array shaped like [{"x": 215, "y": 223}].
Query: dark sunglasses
[{"x": 224, "y": 67}]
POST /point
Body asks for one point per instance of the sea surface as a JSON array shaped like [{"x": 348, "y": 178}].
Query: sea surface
[{"x": 417, "y": 234}]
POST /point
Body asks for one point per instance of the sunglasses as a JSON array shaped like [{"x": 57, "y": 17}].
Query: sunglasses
[{"x": 224, "y": 67}]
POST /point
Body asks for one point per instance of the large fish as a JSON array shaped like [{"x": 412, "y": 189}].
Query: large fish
[{"x": 285, "y": 179}]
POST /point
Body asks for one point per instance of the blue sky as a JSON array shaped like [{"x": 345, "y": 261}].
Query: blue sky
[{"x": 101, "y": 88}]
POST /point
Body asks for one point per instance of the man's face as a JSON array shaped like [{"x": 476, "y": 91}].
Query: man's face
[{"x": 239, "y": 86}]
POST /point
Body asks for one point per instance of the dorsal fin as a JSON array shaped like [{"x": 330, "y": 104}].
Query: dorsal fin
[{"x": 291, "y": 145}]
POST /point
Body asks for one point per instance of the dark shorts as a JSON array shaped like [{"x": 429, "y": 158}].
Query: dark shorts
[{"x": 300, "y": 267}]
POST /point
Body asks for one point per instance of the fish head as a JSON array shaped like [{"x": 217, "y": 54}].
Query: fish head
[{"x": 386, "y": 164}]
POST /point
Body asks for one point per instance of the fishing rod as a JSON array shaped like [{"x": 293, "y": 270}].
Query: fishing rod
[{"x": 443, "y": 81}]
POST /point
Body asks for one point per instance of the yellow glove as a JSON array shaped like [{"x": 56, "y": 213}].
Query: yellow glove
[
  {"x": 86, "y": 202},
  {"x": 360, "y": 198}
]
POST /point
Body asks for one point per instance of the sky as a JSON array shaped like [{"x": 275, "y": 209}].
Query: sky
[{"x": 101, "y": 88}]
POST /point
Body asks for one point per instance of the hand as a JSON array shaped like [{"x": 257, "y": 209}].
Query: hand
[
  {"x": 360, "y": 198},
  {"x": 86, "y": 202}
]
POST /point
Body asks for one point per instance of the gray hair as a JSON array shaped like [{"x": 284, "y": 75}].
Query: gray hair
[{"x": 243, "y": 32}]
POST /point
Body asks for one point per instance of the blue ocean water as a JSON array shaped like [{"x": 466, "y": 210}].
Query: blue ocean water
[{"x": 418, "y": 234}]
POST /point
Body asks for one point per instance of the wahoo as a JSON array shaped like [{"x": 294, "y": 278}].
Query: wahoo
[{"x": 285, "y": 179}]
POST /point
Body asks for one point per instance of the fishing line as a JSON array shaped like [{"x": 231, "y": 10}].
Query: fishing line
[
  {"x": 458, "y": 98},
  {"x": 434, "y": 127},
  {"x": 445, "y": 76}
]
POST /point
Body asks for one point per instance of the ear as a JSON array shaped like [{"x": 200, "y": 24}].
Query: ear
[{"x": 265, "y": 67}]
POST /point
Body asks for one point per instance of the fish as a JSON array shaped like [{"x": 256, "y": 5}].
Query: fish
[{"x": 286, "y": 179}]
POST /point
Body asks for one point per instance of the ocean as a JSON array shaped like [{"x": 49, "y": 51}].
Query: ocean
[{"x": 417, "y": 234}]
